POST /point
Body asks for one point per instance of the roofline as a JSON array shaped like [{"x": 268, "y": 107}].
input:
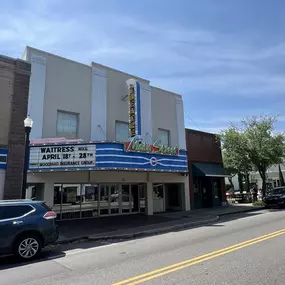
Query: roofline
[
  {"x": 12, "y": 58},
  {"x": 29, "y": 48},
  {"x": 201, "y": 132},
  {"x": 117, "y": 70},
  {"x": 164, "y": 90}
]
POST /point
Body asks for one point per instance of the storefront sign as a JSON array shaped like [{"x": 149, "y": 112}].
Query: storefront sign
[
  {"x": 132, "y": 112},
  {"x": 138, "y": 146},
  {"x": 134, "y": 108},
  {"x": 133, "y": 156},
  {"x": 61, "y": 156}
]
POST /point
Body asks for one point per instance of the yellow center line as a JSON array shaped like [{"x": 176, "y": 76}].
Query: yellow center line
[{"x": 178, "y": 266}]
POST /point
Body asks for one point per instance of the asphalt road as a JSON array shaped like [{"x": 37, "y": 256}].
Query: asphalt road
[{"x": 240, "y": 249}]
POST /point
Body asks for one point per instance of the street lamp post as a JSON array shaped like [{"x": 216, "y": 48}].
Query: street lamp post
[{"x": 28, "y": 123}]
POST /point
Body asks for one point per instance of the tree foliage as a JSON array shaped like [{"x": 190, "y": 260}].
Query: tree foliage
[
  {"x": 281, "y": 178},
  {"x": 253, "y": 146},
  {"x": 235, "y": 158}
]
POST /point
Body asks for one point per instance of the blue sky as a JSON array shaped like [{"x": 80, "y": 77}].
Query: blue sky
[{"x": 226, "y": 57}]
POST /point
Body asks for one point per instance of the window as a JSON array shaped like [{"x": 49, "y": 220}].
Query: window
[
  {"x": 67, "y": 124},
  {"x": 122, "y": 131},
  {"x": 163, "y": 136},
  {"x": 9, "y": 212}
]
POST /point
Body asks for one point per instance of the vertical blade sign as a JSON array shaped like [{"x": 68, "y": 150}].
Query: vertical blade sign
[{"x": 132, "y": 112}]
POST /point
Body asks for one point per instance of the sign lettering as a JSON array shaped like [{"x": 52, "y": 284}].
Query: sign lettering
[
  {"x": 138, "y": 146},
  {"x": 62, "y": 156},
  {"x": 132, "y": 112}
]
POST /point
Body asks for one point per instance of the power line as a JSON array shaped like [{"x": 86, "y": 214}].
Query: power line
[{"x": 192, "y": 120}]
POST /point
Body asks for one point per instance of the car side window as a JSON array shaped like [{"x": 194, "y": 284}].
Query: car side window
[{"x": 9, "y": 212}]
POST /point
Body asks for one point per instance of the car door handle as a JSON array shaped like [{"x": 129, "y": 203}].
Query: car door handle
[{"x": 17, "y": 222}]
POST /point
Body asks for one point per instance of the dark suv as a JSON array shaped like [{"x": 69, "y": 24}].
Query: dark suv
[{"x": 26, "y": 226}]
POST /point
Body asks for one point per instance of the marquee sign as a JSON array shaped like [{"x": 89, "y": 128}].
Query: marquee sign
[
  {"x": 131, "y": 156},
  {"x": 139, "y": 146},
  {"x": 63, "y": 156},
  {"x": 134, "y": 108}
]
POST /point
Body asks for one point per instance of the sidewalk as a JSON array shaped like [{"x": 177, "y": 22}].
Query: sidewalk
[{"x": 131, "y": 226}]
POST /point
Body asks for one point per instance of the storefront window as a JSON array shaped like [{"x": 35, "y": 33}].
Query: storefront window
[
  {"x": 142, "y": 193},
  {"x": 114, "y": 199},
  {"x": 215, "y": 190},
  {"x": 104, "y": 199},
  {"x": 73, "y": 201},
  {"x": 158, "y": 191},
  {"x": 90, "y": 201},
  {"x": 126, "y": 198}
]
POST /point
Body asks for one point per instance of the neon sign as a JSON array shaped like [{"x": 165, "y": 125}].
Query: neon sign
[
  {"x": 134, "y": 108},
  {"x": 138, "y": 146},
  {"x": 132, "y": 112}
]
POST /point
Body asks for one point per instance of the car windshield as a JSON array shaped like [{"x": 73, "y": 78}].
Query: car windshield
[{"x": 277, "y": 191}]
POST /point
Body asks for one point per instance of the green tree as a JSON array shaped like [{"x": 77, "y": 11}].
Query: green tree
[
  {"x": 281, "y": 178},
  {"x": 255, "y": 144},
  {"x": 263, "y": 146},
  {"x": 234, "y": 157},
  {"x": 228, "y": 166}
]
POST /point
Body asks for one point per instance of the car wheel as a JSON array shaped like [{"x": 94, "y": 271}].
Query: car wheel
[{"x": 28, "y": 247}]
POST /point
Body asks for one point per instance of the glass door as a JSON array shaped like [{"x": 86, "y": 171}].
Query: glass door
[
  {"x": 126, "y": 197},
  {"x": 142, "y": 197},
  {"x": 135, "y": 199},
  {"x": 114, "y": 199},
  {"x": 57, "y": 198},
  {"x": 104, "y": 200},
  {"x": 70, "y": 201},
  {"x": 90, "y": 201},
  {"x": 158, "y": 198}
]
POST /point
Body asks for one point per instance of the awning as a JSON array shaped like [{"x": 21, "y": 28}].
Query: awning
[{"x": 209, "y": 170}]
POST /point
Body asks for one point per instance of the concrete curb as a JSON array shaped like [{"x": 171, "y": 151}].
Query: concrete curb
[{"x": 243, "y": 211}]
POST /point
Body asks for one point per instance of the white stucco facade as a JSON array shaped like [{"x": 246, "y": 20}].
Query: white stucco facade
[{"x": 99, "y": 96}]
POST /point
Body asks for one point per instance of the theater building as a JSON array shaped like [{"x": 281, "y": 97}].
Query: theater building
[{"x": 103, "y": 142}]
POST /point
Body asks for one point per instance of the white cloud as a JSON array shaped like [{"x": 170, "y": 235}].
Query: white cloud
[{"x": 173, "y": 57}]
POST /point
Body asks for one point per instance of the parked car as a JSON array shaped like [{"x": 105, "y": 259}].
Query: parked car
[
  {"x": 275, "y": 197},
  {"x": 26, "y": 227},
  {"x": 238, "y": 197}
]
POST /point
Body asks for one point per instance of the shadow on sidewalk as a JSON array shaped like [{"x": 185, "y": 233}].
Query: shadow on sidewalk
[{"x": 97, "y": 226}]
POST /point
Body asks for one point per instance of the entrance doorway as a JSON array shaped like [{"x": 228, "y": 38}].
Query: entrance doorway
[
  {"x": 207, "y": 192},
  {"x": 158, "y": 198},
  {"x": 73, "y": 201},
  {"x": 173, "y": 197}
]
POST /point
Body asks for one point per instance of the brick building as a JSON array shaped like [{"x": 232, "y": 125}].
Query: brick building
[
  {"x": 206, "y": 172},
  {"x": 14, "y": 91}
]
